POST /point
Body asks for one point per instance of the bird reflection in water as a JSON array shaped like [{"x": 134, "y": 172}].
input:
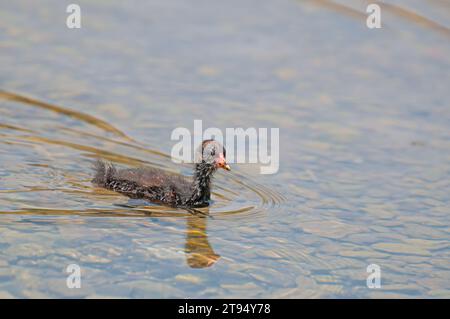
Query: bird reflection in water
[
  {"x": 199, "y": 253},
  {"x": 198, "y": 250}
]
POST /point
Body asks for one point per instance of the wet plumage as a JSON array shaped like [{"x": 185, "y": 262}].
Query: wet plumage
[{"x": 158, "y": 186}]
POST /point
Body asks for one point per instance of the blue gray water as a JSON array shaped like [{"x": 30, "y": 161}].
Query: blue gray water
[{"x": 364, "y": 121}]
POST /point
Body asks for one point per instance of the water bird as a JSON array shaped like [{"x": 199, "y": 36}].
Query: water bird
[{"x": 160, "y": 187}]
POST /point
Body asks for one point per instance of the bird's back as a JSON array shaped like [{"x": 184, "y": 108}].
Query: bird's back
[{"x": 148, "y": 183}]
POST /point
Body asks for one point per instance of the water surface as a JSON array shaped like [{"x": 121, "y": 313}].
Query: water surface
[{"x": 364, "y": 121}]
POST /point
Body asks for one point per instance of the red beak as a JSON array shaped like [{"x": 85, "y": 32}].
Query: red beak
[{"x": 220, "y": 162}]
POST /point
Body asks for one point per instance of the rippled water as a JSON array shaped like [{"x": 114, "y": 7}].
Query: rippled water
[{"x": 364, "y": 121}]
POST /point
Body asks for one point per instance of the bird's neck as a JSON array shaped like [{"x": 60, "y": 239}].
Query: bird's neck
[{"x": 201, "y": 186}]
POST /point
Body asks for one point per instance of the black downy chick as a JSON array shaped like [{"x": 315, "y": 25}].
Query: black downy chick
[{"x": 158, "y": 186}]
